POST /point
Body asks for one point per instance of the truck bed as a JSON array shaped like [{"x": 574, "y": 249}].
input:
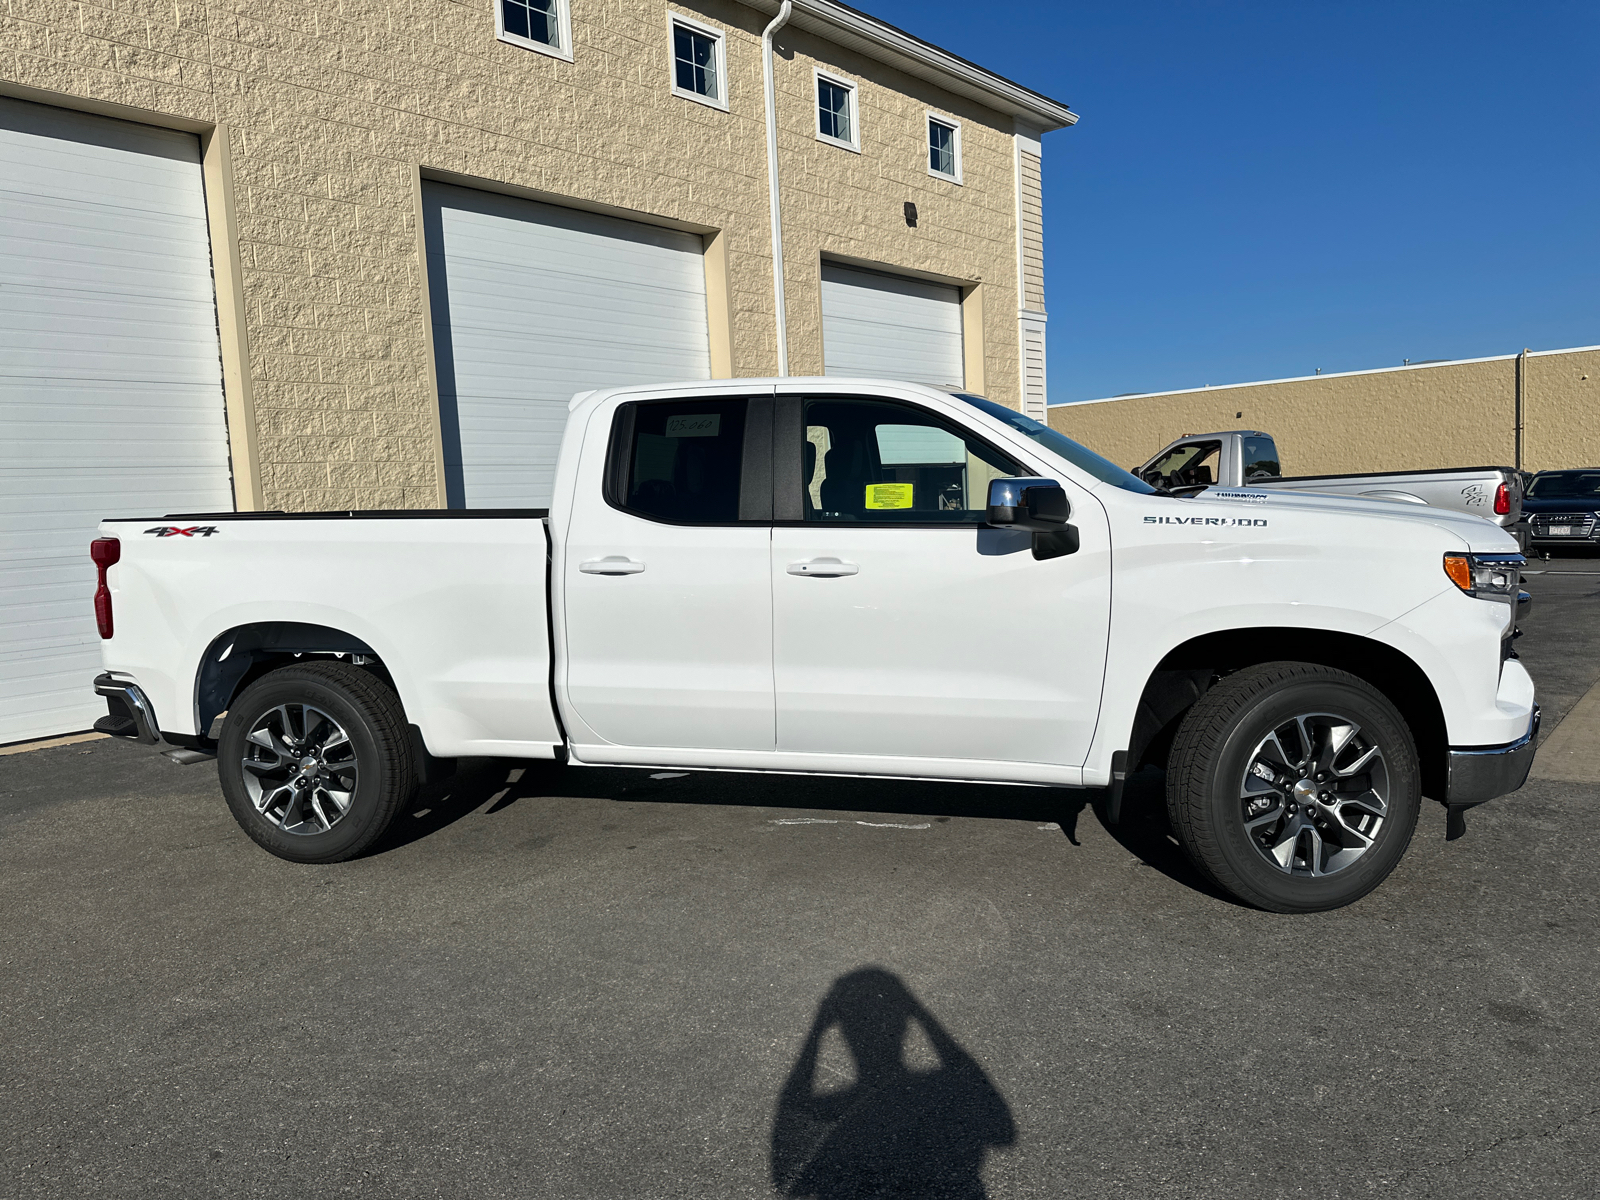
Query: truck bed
[{"x": 453, "y": 604}]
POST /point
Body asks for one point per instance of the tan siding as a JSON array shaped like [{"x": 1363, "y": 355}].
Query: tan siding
[
  {"x": 1454, "y": 414},
  {"x": 333, "y": 106}
]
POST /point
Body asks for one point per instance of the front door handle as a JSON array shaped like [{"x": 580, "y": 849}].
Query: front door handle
[
  {"x": 823, "y": 568},
  {"x": 614, "y": 564}
]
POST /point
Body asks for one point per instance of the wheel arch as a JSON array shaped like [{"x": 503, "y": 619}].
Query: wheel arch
[
  {"x": 1187, "y": 671},
  {"x": 239, "y": 656}
]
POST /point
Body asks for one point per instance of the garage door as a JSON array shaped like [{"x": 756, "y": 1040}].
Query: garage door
[
  {"x": 110, "y": 381},
  {"x": 533, "y": 303},
  {"x": 889, "y": 327}
]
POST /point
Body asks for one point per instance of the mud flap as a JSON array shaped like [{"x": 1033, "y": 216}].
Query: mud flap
[{"x": 1119, "y": 777}]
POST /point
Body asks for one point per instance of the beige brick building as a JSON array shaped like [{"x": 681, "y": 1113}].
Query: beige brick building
[
  {"x": 1538, "y": 410},
  {"x": 323, "y": 134}
]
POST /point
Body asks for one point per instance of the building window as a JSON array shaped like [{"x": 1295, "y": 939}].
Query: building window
[
  {"x": 699, "y": 70},
  {"x": 944, "y": 148},
  {"x": 836, "y": 112},
  {"x": 542, "y": 25}
]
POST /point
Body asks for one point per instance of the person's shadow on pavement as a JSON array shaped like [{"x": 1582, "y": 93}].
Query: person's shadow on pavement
[{"x": 898, "y": 1130}]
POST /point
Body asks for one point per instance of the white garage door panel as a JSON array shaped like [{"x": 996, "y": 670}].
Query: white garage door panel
[
  {"x": 533, "y": 303},
  {"x": 110, "y": 381},
  {"x": 888, "y": 327}
]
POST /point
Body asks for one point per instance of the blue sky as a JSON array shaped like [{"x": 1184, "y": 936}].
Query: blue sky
[{"x": 1258, "y": 190}]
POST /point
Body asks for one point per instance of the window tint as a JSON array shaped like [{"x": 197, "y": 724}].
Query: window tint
[
  {"x": 683, "y": 460},
  {"x": 878, "y": 461},
  {"x": 1260, "y": 459}
]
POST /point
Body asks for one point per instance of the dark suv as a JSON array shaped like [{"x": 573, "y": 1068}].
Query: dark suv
[{"x": 1563, "y": 508}]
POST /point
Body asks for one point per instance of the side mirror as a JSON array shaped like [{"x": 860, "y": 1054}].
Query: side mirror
[{"x": 1029, "y": 503}]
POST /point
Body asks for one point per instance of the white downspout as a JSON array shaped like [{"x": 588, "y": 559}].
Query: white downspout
[{"x": 778, "y": 22}]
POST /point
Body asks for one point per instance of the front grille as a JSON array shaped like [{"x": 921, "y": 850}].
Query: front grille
[{"x": 1557, "y": 525}]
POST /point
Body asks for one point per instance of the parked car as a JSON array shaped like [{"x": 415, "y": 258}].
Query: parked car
[
  {"x": 1248, "y": 457},
  {"x": 843, "y": 577},
  {"x": 1563, "y": 507}
]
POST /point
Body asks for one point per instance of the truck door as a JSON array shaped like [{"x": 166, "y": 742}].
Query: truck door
[
  {"x": 902, "y": 625},
  {"x": 666, "y": 577}
]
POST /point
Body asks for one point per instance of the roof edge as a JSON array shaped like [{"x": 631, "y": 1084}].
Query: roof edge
[
  {"x": 1226, "y": 387},
  {"x": 924, "y": 59}
]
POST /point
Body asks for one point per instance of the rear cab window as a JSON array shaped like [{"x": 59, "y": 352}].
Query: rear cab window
[
  {"x": 1260, "y": 459},
  {"x": 687, "y": 462}
]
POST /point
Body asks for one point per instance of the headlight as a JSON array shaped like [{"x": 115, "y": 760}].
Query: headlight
[{"x": 1488, "y": 576}]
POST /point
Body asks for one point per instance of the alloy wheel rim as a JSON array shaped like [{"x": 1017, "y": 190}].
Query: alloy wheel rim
[
  {"x": 1315, "y": 795},
  {"x": 300, "y": 769}
]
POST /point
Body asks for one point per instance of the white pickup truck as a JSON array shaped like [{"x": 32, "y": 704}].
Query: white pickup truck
[{"x": 843, "y": 577}]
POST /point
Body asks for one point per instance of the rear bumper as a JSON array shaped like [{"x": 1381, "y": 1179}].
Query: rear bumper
[
  {"x": 1480, "y": 773},
  {"x": 129, "y": 712}
]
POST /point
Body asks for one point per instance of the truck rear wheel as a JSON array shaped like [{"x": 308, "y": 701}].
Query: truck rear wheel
[
  {"x": 315, "y": 761},
  {"x": 1294, "y": 787}
]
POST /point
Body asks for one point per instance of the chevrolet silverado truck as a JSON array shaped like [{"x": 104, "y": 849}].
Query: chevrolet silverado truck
[
  {"x": 843, "y": 577},
  {"x": 1249, "y": 458}
]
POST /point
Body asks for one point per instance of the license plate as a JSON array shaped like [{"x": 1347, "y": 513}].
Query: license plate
[{"x": 1562, "y": 531}]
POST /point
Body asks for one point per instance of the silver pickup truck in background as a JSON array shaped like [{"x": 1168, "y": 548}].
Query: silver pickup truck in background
[{"x": 1249, "y": 458}]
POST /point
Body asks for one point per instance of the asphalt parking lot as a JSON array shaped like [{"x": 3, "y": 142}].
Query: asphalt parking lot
[{"x": 566, "y": 982}]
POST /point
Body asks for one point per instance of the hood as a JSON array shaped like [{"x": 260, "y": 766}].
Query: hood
[{"x": 1477, "y": 533}]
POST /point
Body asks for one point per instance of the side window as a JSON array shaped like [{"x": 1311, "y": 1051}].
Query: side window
[
  {"x": 878, "y": 461},
  {"x": 679, "y": 460},
  {"x": 1193, "y": 464},
  {"x": 1260, "y": 459}
]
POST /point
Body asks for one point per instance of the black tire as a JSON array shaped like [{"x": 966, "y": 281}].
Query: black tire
[
  {"x": 384, "y": 777},
  {"x": 1214, "y": 761}
]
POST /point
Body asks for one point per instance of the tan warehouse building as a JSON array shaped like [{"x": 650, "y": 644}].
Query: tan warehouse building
[
  {"x": 329, "y": 255},
  {"x": 1538, "y": 410}
]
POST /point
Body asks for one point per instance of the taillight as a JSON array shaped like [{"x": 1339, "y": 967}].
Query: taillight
[
  {"x": 1502, "y": 499},
  {"x": 106, "y": 552}
]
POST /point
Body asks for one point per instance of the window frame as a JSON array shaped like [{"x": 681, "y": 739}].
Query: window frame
[
  {"x": 755, "y": 460},
  {"x": 788, "y": 484},
  {"x": 950, "y": 123},
  {"x": 818, "y": 78},
  {"x": 563, "y": 31},
  {"x": 719, "y": 36}
]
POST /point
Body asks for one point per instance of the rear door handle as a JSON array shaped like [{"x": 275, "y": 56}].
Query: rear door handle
[
  {"x": 823, "y": 568},
  {"x": 614, "y": 564}
]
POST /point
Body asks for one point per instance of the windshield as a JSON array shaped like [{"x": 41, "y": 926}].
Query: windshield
[
  {"x": 1565, "y": 485},
  {"x": 1060, "y": 445}
]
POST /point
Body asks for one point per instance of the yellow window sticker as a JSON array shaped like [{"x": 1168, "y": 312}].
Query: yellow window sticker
[{"x": 889, "y": 495}]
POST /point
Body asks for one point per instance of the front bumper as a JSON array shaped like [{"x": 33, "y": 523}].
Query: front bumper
[{"x": 1480, "y": 773}]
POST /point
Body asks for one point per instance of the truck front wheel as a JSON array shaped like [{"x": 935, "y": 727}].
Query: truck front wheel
[
  {"x": 315, "y": 761},
  {"x": 1294, "y": 787}
]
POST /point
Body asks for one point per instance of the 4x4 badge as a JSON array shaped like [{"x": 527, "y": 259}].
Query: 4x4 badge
[{"x": 179, "y": 531}]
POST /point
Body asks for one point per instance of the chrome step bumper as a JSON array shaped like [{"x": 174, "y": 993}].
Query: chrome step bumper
[{"x": 129, "y": 713}]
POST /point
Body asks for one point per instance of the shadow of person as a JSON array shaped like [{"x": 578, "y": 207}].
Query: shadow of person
[{"x": 898, "y": 1129}]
